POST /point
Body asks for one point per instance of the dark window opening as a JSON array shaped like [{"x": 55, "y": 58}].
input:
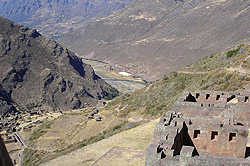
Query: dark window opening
[
  {"x": 197, "y": 133},
  {"x": 175, "y": 123},
  {"x": 201, "y": 105},
  {"x": 217, "y": 97},
  {"x": 214, "y": 135},
  {"x": 197, "y": 95},
  {"x": 207, "y": 96},
  {"x": 190, "y": 98},
  {"x": 247, "y": 154},
  {"x": 159, "y": 149},
  {"x": 246, "y": 98},
  {"x": 208, "y": 105},
  {"x": 163, "y": 155},
  {"x": 232, "y": 137},
  {"x": 221, "y": 125},
  {"x": 230, "y": 98},
  {"x": 240, "y": 124}
]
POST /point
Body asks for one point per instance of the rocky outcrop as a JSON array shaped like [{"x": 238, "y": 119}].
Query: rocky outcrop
[
  {"x": 37, "y": 72},
  {"x": 54, "y": 18}
]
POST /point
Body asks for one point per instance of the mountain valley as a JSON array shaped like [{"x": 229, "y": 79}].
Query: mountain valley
[
  {"x": 153, "y": 38},
  {"x": 57, "y": 17},
  {"x": 144, "y": 106},
  {"x": 38, "y": 73},
  {"x": 101, "y": 103}
]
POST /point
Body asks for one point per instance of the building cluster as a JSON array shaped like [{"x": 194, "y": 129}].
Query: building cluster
[
  {"x": 203, "y": 128},
  {"x": 9, "y": 124},
  {"x": 92, "y": 114}
]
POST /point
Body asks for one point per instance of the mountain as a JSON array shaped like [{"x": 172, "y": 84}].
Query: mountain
[
  {"x": 224, "y": 71},
  {"x": 155, "y": 37},
  {"x": 228, "y": 71},
  {"x": 36, "y": 72},
  {"x": 56, "y": 17}
]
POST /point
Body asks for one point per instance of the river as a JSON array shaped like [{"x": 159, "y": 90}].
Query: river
[{"x": 122, "y": 81}]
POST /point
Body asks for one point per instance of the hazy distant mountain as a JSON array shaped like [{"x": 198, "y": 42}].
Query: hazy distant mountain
[
  {"x": 154, "y": 37},
  {"x": 36, "y": 72},
  {"x": 56, "y": 17}
]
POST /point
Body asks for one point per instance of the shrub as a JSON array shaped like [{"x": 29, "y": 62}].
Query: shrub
[{"x": 231, "y": 53}]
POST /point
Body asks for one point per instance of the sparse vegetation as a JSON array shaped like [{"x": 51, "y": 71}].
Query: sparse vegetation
[
  {"x": 40, "y": 131},
  {"x": 35, "y": 157},
  {"x": 155, "y": 99},
  {"x": 112, "y": 94},
  {"x": 234, "y": 52},
  {"x": 32, "y": 105},
  {"x": 209, "y": 73}
]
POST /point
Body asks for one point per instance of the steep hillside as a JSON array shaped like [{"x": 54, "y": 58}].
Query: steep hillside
[
  {"x": 224, "y": 71},
  {"x": 37, "y": 72},
  {"x": 54, "y": 18},
  {"x": 151, "y": 38},
  {"x": 227, "y": 71}
]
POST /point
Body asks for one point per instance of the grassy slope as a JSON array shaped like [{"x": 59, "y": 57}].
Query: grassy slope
[
  {"x": 137, "y": 138},
  {"x": 210, "y": 73}
]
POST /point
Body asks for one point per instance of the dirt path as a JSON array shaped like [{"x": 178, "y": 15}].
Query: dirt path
[
  {"x": 193, "y": 72},
  {"x": 240, "y": 69}
]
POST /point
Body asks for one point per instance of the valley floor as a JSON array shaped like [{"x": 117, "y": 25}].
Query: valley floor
[{"x": 122, "y": 81}]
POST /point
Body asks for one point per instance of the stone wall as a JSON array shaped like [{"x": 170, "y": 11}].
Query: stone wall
[{"x": 203, "y": 128}]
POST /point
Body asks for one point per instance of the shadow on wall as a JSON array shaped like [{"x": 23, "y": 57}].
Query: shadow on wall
[{"x": 247, "y": 152}]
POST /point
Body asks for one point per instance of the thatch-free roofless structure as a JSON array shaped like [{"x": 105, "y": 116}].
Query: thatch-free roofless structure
[{"x": 203, "y": 128}]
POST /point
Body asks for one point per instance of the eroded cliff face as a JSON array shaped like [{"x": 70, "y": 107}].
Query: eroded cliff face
[
  {"x": 37, "y": 72},
  {"x": 56, "y": 17}
]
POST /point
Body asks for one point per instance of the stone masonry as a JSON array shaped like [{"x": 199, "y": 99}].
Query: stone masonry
[{"x": 203, "y": 128}]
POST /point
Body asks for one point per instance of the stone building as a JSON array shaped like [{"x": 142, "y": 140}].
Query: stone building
[{"x": 203, "y": 128}]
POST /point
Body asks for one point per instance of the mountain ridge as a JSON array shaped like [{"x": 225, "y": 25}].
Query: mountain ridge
[
  {"x": 54, "y": 18},
  {"x": 150, "y": 39},
  {"x": 38, "y": 73}
]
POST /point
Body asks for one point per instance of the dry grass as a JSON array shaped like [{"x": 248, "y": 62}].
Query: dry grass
[
  {"x": 137, "y": 138},
  {"x": 75, "y": 127}
]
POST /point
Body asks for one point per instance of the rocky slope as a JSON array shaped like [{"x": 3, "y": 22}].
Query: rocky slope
[
  {"x": 152, "y": 38},
  {"x": 37, "y": 72},
  {"x": 56, "y": 17}
]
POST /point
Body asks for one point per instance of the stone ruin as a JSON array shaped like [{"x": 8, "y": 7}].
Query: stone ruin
[{"x": 203, "y": 128}]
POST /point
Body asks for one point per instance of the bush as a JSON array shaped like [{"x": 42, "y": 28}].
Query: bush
[
  {"x": 231, "y": 53},
  {"x": 112, "y": 93},
  {"x": 234, "y": 52}
]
